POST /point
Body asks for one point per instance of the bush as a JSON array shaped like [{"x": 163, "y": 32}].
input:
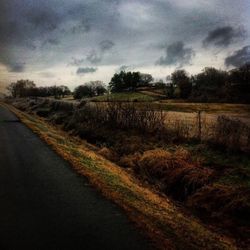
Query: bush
[
  {"x": 108, "y": 154},
  {"x": 232, "y": 134},
  {"x": 175, "y": 173},
  {"x": 228, "y": 206},
  {"x": 90, "y": 89},
  {"x": 130, "y": 161}
]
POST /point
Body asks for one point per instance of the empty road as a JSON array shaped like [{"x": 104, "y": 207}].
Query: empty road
[{"x": 45, "y": 205}]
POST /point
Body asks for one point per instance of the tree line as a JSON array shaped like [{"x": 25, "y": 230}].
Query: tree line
[
  {"x": 27, "y": 88},
  {"x": 211, "y": 85}
]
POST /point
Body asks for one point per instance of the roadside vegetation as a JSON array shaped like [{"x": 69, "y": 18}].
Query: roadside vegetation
[
  {"x": 166, "y": 224},
  {"x": 206, "y": 169}
]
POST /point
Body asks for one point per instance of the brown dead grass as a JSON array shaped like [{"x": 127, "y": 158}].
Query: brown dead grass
[
  {"x": 227, "y": 205},
  {"x": 176, "y": 173},
  {"x": 108, "y": 154},
  {"x": 165, "y": 223},
  {"x": 130, "y": 161}
]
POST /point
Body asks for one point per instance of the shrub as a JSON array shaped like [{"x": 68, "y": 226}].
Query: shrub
[
  {"x": 128, "y": 145},
  {"x": 177, "y": 174},
  {"x": 62, "y": 106},
  {"x": 130, "y": 161},
  {"x": 233, "y": 134},
  {"x": 108, "y": 154},
  {"x": 227, "y": 205}
]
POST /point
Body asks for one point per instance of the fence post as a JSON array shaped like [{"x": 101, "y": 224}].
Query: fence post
[{"x": 199, "y": 124}]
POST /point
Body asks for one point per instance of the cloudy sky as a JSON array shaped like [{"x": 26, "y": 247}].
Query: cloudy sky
[{"x": 72, "y": 42}]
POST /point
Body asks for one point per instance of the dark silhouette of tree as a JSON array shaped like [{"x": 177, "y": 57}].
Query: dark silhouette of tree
[
  {"x": 209, "y": 84},
  {"x": 90, "y": 89},
  {"x": 64, "y": 91},
  {"x": 181, "y": 79},
  {"x": 82, "y": 91},
  {"x": 238, "y": 85},
  {"x": 27, "y": 88},
  {"x": 125, "y": 81},
  {"x": 20, "y": 88},
  {"x": 145, "y": 80}
]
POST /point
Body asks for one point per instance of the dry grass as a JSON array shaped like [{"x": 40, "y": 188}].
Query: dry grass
[
  {"x": 164, "y": 222},
  {"x": 88, "y": 120},
  {"x": 130, "y": 161},
  {"x": 175, "y": 173},
  {"x": 174, "y": 105},
  {"x": 232, "y": 134},
  {"x": 228, "y": 205},
  {"x": 108, "y": 154}
]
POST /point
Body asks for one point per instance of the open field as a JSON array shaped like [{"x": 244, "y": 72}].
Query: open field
[{"x": 176, "y": 107}]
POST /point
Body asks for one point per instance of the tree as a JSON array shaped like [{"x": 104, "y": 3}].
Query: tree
[
  {"x": 238, "y": 85},
  {"x": 83, "y": 91},
  {"x": 20, "y": 88},
  {"x": 209, "y": 85},
  {"x": 64, "y": 90},
  {"x": 90, "y": 89},
  {"x": 182, "y": 81},
  {"x": 100, "y": 88},
  {"x": 241, "y": 75},
  {"x": 145, "y": 80},
  {"x": 125, "y": 81}
]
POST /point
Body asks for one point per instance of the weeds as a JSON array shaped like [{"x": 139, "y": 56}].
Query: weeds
[
  {"x": 231, "y": 133},
  {"x": 88, "y": 119}
]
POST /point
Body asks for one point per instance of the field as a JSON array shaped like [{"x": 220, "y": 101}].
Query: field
[
  {"x": 198, "y": 161},
  {"x": 185, "y": 109}
]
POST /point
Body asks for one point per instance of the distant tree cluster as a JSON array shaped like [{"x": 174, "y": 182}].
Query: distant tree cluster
[
  {"x": 90, "y": 89},
  {"x": 211, "y": 85},
  {"x": 214, "y": 85},
  {"x": 182, "y": 81},
  {"x": 27, "y": 88},
  {"x": 128, "y": 81}
]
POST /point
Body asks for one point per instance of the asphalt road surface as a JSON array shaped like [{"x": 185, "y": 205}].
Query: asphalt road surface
[{"x": 45, "y": 205}]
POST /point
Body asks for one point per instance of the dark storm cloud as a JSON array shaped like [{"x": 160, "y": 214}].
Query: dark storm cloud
[
  {"x": 96, "y": 56},
  {"x": 93, "y": 57},
  {"x": 17, "y": 67},
  {"x": 106, "y": 45},
  {"x": 81, "y": 26},
  {"x": 239, "y": 57},
  {"x": 176, "y": 54},
  {"x": 87, "y": 70},
  {"x": 43, "y": 19},
  {"x": 24, "y": 24},
  {"x": 51, "y": 41},
  {"x": 223, "y": 36},
  {"x": 76, "y": 61},
  {"x": 110, "y": 32}
]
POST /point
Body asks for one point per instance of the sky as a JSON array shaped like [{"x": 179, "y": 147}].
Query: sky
[{"x": 73, "y": 42}]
